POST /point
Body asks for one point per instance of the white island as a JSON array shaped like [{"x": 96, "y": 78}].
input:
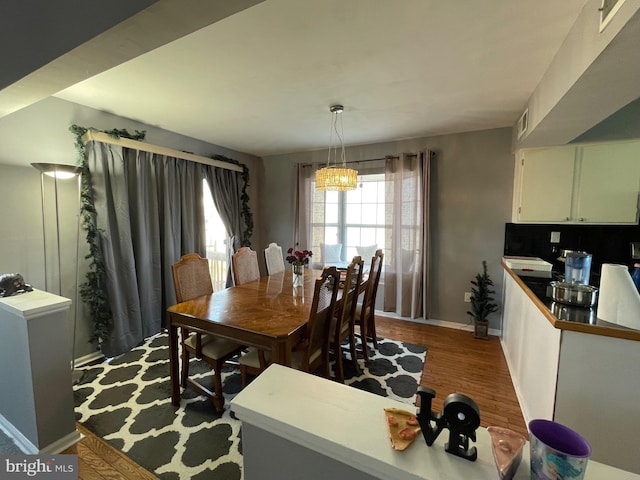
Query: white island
[
  {"x": 585, "y": 376},
  {"x": 296, "y": 425}
]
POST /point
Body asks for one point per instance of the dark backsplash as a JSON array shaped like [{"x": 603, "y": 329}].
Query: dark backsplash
[{"x": 607, "y": 243}]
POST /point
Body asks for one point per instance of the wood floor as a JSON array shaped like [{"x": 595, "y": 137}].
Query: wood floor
[
  {"x": 459, "y": 363},
  {"x": 456, "y": 363},
  {"x": 97, "y": 460}
]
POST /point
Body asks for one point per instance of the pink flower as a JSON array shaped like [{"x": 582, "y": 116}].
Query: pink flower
[{"x": 297, "y": 257}]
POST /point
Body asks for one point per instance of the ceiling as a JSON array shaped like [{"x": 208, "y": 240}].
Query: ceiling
[{"x": 261, "y": 80}]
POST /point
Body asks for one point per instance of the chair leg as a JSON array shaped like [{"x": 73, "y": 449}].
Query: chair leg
[
  {"x": 372, "y": 329},
  {"x": 338, "y": 364},
  {"x": 354, "y": 354},
  {"x": 363, "y": 341},
  {"x": 218, "y": 400},
  {"x": 185, "y": 367}
]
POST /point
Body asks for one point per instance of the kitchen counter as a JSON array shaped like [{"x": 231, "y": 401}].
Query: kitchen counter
[
  {"x": 566, "y": 317},
  {"x": 582, "y": 374},
  {"x": 296, "y": 425}
]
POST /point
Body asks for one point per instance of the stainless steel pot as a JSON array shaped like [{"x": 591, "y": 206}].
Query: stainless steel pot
[{"x": 574, "y": 294}]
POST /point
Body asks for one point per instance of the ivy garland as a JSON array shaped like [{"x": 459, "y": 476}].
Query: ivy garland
[{"x": 93, "y": 292}]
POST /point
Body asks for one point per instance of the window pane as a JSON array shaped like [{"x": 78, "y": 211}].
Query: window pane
[
  {"x": 331, "y": 235},
  {"x": 354, "y": 213},
  {"x": 355, "y": 218}
]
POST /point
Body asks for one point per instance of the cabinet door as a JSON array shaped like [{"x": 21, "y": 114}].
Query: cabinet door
[
  {"x": 608, "y": 183},
  {"x": 546, "y": 187}
]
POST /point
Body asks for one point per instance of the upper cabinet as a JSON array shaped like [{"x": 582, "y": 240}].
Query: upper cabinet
[{"x": 590, "y": 183}]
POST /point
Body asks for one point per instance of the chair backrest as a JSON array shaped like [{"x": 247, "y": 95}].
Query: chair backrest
[
  {"x": 244, "y": 264},
  {"x": 191, "y": 277},
  {"x": 350, "y": 293},
  {"x": 273, "y": 258},
  {"x": 322, "y": 310},
  {"x": 371, "y": 288}
]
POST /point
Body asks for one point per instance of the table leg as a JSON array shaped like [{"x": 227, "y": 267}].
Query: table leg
[
  {"x": 281, "y": 353},
  {"x": 173, "y": 363}
]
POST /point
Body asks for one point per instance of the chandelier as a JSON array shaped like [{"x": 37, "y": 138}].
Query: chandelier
[{"x": 333, "y": 176}]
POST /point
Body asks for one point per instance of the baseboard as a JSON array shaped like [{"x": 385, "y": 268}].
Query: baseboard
[
  {"x": 22, "y": 442},
  {"x": 438, "y": 323},
  {"x": 62, "y": 444},
  {"x": 91, "y": 357},
  {"x": 27, "y": 447}
]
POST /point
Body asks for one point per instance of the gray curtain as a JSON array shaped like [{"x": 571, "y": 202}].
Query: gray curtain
[
  {"x": 149, "y": 211},
  {"x": 407, "y": 242},
  {"x": 226, "y": 189}
]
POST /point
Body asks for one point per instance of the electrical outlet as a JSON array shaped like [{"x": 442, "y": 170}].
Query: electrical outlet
[
  {"x": 467, "y": 297},
  {"x": 555, "y": 237}
]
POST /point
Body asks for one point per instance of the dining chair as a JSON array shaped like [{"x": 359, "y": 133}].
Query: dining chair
[
  {"x": 343, "y": 324},
  {"x": 312, "y": 352},
  {"x": 365, "y": 311},
  {"x": 191, "y": 279},
  {"x": 273, "y": 258},
  {"x": 244, "y": 264}
]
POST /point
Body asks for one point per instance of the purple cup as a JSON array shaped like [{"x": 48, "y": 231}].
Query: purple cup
[{"x": 557, "y": 452}]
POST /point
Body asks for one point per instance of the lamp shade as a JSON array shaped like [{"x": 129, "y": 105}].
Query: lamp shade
[
  {"x": 336, "y": 178},
  {"x": 57, "y": 170}
]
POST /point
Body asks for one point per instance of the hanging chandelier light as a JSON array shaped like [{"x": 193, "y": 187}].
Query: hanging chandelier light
[{"x": 334, "y": 176}]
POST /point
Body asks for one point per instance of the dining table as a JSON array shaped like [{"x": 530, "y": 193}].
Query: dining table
[{"x": 269, "y": 314}]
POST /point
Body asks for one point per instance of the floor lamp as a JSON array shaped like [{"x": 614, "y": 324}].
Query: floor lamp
[{"x": 61, "y": 172}]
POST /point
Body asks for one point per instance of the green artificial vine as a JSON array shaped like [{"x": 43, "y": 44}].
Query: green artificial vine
[
  {"x": 244, "y": 198},
  {"x": 94, "y": 292}
]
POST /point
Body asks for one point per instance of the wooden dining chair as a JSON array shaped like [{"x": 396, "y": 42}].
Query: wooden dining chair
[
  {"x": 244, "y": 265},
  {"x": 312, "y": 352},
  {"x": 191, "y": 279},
  {"x": 273, "y": 259},
  {"x": 365, "y": 311},
  {"x": 343, "y": 324}
]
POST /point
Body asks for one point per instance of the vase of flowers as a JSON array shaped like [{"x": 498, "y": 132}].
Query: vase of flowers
[{"x": 298, "y": 259}]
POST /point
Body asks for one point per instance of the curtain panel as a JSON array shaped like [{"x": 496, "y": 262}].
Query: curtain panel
[
  {"x": 407, "y": 242},
  {"x": 149, "y": 212},
  {"x": 226, "y": 189}
]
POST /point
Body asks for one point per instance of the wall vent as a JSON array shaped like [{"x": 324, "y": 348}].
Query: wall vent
[{"x": 523, "y": 123}]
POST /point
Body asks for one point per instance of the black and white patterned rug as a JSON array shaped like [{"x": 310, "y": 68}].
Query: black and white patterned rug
[{"x": 126, "y": 401}]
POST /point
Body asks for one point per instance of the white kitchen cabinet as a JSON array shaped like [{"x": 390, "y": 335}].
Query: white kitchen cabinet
[
  {"x": 545, "y": 184},
  {"x": 590, "y": 183},
  {"x": 608, "y": 183}
]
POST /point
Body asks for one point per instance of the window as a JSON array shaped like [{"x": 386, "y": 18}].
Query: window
[
  {"x": 355, "y": 218},
  {"x": 216, "y": 235}
]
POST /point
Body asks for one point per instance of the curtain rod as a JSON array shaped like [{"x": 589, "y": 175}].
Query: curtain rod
[
  {"x": 147, "y": 147},
  {"x": 367, "y": 160}
]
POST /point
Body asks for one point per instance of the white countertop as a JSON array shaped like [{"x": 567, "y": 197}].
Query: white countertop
[
  {"x": 34, "y": 304},
  {"x": 349, "y": 425}
]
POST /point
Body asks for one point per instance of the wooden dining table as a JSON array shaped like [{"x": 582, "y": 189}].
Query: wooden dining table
[{"x": 270, "y": 314}]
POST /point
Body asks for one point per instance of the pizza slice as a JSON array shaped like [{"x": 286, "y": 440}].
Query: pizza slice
[{"x": 403, "y": 427}]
